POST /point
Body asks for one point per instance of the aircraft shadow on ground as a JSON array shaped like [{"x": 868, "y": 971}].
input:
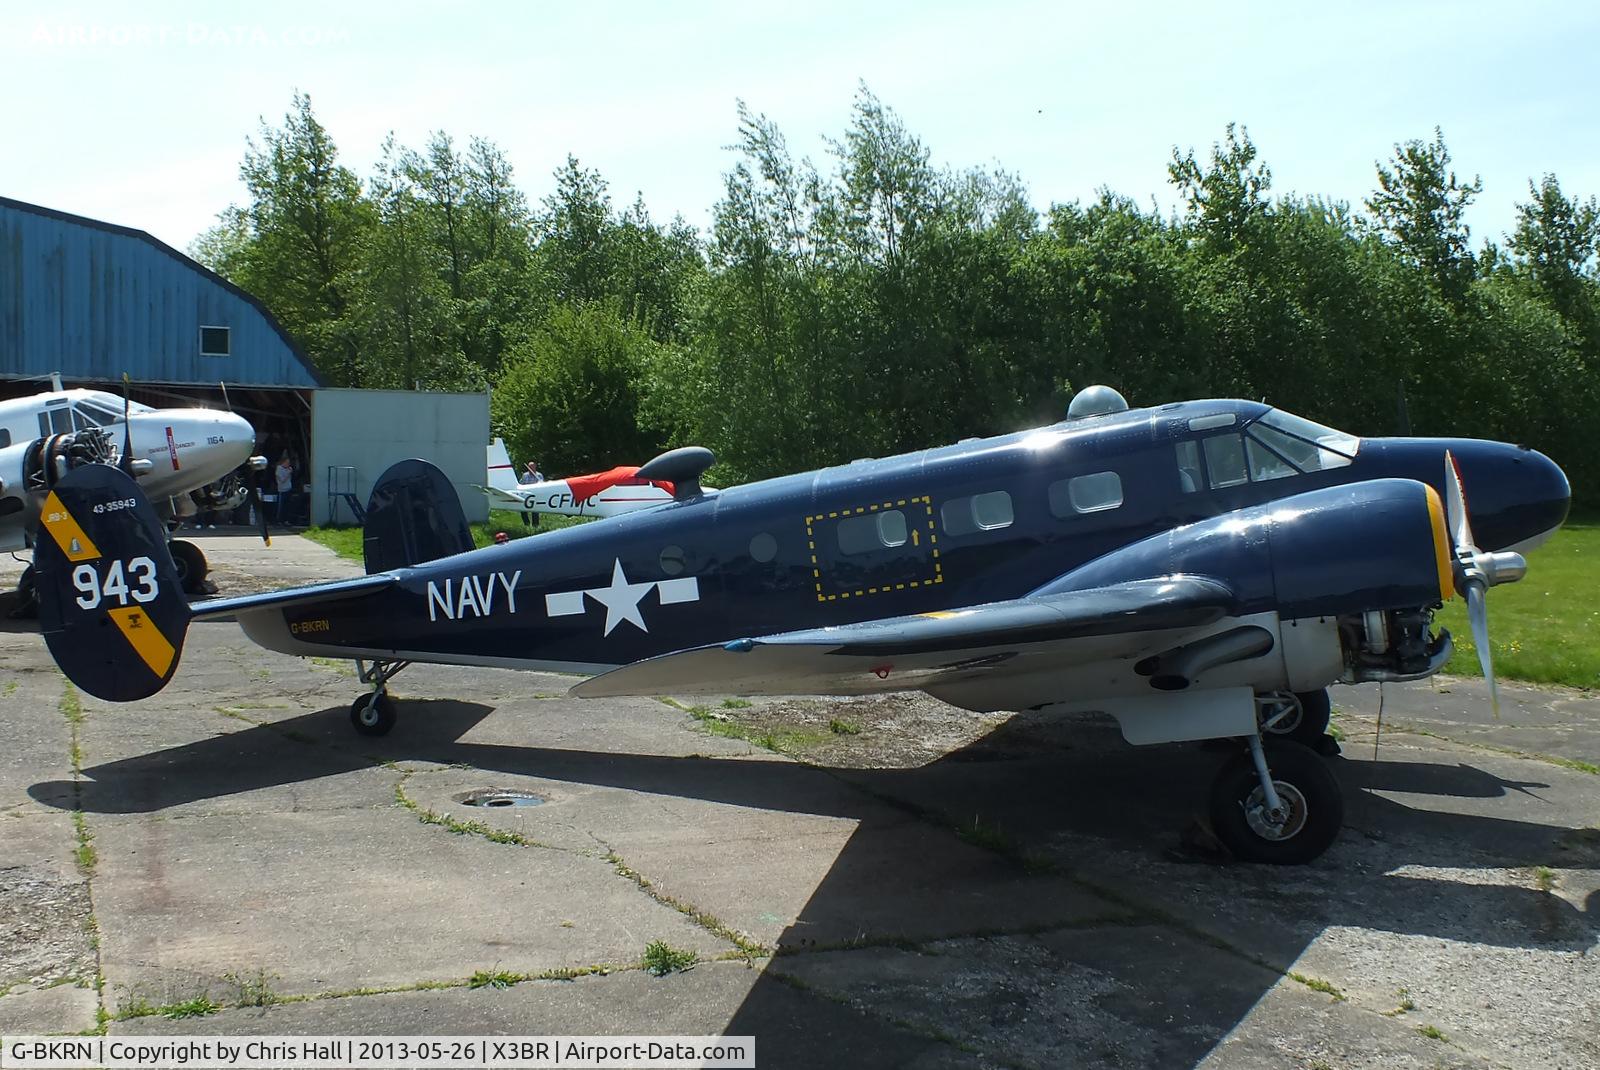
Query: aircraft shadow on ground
[{"x": 1114, "y": 807}]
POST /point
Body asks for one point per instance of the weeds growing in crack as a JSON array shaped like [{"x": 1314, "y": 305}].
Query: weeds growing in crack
[
  {"x": 71, "y": 707},
  {"x": 707, "y": 921},
  {"x": 661, "y": 958}
]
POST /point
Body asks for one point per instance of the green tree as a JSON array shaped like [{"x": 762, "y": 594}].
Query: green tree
[
  {"x": 404, "y": 306},
  {"x": 571, "y": 394},
  {"x": 1227, "y": 199},
  {"x": 307, "y": 222},
  {"x": 1421, "y": 207},
  {"x": 1556, "y": 242}
]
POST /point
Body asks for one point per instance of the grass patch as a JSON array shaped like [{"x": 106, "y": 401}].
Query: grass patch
[
  {"x": 661, "y": 958},
  {"x": 84, "y": 853},
  {"x": 198, "y": 1007},
  {"x": 988, "y": 837},
  {"x": 348, "y": 542},
  {"x": 1317, "y": 984},
  {"x": 843, "y": 728},
  {"x": 10, "y": 688},
  {"x": 251, "y": 990},
  {"x": 736, "y": 704},
  {"x": 1432, "y": 1032},
  {"x": 495, "y": 979},
  {"x": 779, "y": 741},
  {"x": 1545, "y": 629},
  {"x": 1544, "y": 878}
]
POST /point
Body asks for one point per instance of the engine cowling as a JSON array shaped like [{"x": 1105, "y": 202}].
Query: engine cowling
[{"x": 1373, "y": 556}]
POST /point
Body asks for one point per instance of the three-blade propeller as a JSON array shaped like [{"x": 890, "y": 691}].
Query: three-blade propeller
[{"x": 1476, "y": 571}]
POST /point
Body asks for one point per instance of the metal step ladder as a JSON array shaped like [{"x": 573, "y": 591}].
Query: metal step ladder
[{"x": 342, "y": 487}]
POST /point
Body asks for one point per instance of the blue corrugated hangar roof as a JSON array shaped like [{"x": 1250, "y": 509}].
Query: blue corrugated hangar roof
[{"x": 93, "y": 300}]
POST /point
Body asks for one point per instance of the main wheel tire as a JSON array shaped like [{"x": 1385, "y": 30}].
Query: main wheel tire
[
  {"x": 190, "y": 564},
  {"x": 1307, "y": 723},
  {"x": 373, "y": 715},
  {"x": 1308, "y": 791}
]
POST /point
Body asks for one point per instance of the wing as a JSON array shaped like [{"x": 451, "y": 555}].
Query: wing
[{"x": 930, "y": 649}]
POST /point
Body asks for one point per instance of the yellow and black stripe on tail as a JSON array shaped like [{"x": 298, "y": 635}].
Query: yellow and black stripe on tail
[{"x": 110, "y": 605}]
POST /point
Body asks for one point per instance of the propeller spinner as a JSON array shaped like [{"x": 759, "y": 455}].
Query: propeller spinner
[{"x": 1476, "y": 571}]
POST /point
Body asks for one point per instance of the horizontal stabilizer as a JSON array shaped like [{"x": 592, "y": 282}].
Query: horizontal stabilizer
[
  {"x": 928, "y": 649},
  {"x": 333, "y": 591}
]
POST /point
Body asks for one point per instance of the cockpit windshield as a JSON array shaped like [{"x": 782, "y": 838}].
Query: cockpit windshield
[
  {"x": 93, "y": 415},
  {"x": 101, "y": 409},
  {"x": 1306, "y": 445}
]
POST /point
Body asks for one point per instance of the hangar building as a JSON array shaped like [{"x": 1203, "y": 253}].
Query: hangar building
[{"x": 90, "y": 300}]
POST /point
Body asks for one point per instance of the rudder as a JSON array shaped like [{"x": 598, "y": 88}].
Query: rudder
[
  {"x": 501, "y": 475},
  {"x": 110, "y": 605},
  {"x": 413, "y": 516}
]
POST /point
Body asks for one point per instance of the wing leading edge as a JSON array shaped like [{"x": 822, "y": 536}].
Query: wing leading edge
[{"x": 927, "y": 649}]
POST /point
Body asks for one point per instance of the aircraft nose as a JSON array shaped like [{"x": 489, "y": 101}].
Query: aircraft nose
[{"x": 1516, "y": 496}]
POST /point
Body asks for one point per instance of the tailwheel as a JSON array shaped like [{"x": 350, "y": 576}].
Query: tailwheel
[
  {"x": 190, "y": 564},
  {"x": 1288, "y": 818},
  {"x": 1301, "y": 716},
  {"x": 27, "y": 607},
  {"x": 373, "y": 714}
]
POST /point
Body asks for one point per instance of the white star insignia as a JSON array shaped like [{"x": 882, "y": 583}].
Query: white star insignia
[{"x": 621, "y": 600}]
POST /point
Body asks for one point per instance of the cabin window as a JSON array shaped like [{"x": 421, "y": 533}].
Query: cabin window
[
  {"x": 1085, "y": 494},
  {"x": 1225, "y": 462},
  {"x": 671, "y": 560},
  {"x": 5, "y": 437},
  {"x": 1190, "y": 476},
  {"x": 763, "y": 547},
  {"x": 872, "y": 531},
  {"x": 215, "y": 341},
  {"x": 981, "y": 512}
]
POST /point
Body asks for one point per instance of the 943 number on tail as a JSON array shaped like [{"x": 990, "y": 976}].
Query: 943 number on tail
[{"x": 92, "y": 590}]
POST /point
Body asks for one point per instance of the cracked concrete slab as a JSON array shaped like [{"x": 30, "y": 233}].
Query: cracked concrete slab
[{"x": 793, "y": 1028}]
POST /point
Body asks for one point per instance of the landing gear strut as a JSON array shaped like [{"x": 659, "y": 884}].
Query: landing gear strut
[
  {"x": 374, "y": 714},
  {"x": 1276, "y": 803},
  {"x": 1301, "y": 716}
]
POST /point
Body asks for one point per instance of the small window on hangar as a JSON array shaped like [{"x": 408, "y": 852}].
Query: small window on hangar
[{"x": 216, "y": 341}]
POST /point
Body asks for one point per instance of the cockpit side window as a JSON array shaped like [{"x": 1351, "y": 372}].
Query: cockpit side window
[{"x": 1225, "y": 463}]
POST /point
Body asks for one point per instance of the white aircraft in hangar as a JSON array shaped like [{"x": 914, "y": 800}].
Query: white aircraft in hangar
[{"x": 174, "y": 451}]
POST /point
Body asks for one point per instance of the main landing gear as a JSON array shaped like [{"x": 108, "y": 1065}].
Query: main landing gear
[
  {"x": 374, "y": 714},
  {"x": 190, "y": 565},
  {"x": 1299, "y": 716},
  {"x": 1276, "y": 803}
]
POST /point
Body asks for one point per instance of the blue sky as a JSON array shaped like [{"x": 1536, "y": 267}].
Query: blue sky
[{"x": 138, "y": 114}]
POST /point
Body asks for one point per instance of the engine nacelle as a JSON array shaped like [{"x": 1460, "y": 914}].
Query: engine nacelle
[{"x": 1371, "y": 557}]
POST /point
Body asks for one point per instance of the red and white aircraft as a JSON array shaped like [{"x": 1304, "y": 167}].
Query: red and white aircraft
[{"x": 617, "y": 490}]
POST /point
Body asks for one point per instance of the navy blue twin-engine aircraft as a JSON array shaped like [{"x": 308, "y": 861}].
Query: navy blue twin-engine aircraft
[{"x": 1199, "y": 570}]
